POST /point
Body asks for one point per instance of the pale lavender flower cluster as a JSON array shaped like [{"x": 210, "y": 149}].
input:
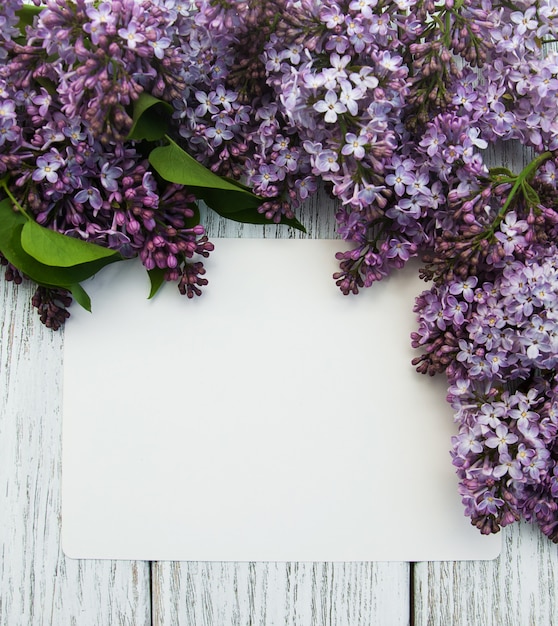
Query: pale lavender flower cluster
[
  {"x": 491, "y": 337},
  {"x": 65, "y": 112},
  {"x": 8, "y": 24},
  {"x": 522, "y": 84},
  {"x": 505, "y": 453},
  {"x": 375, "y": 100}
]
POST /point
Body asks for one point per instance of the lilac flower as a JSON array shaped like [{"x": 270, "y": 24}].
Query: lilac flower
[
  {"x": 510, "y": 234},
  {"x": 350, "y": 96},
  {"x": 455, "y": 310},
  {"x": 326, "y": 161},
  {"x": 90, "y": 195},
  {"x": 208, "y": 103},
  {"x": 305, "y": 186},
  {"x": 43, "y": 101},
  {"x": 224, "y": 97},
  {"x": 131, "y": 35},
  {"x": 524, "y": 20},
  {"x": 110, "y": 175},
  {"x": 354, "y": 146},
  {"x": 400, "y": 179},
  {"x": 8, "y": 131},
  {"x": 490, "y": 504},
  {"x": 100, "y": 17},
  {"x": 47, "y": 167},
  {"x": 74, "y": 132},
  {"x": 7, "y": 110},
  {"x": 400, "y": 249},
  {"x": 469, "y": 441},
  {"x": 330, "y": 106},
  {"x": 332, "y": 16},
  {"x": 464, "y": 287},
  {"x": 218, "y": 133},
  {"x": 501, "y": 439},
  {"x": 432, "y": 141},
  {"x": 159, "y": 46},
  {"x": 266, "y": 175}
]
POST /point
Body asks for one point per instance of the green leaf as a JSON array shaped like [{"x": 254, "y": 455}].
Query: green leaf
[
  {"x": 26, "y": 16},
  {"x": 501, "y": 171},
  {"x": 531, "y": 196},
  {"x": 150, "y": 118},
  {"x": 47, "y": 275},
  {"x": 12, "y": 224},
  {"x": 58, "y": 250},
  {"x": 80, "y": 296},
  {"x": 9, "y": 219},
  {"x": 252, "y": 217},
  {"x": 175, "y": 165},
  {"x": 226, "y": 197},
  {"x": 157, "y": 278}
]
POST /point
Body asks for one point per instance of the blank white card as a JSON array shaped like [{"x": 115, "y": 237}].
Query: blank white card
[{"x": 271, "y": 419}]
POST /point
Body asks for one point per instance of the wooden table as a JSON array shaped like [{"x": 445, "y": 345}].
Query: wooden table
[{"x": 40, "y": 586}]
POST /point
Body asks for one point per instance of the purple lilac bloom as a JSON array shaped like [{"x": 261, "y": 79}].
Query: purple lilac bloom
[
  {"x": 388, "y": 106},
  {"x": 64, "y": 148}
]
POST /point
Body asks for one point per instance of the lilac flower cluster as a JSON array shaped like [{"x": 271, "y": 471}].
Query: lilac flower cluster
[
  {"x": 495, "y": 335},
  {"x": 318, "y": 97},
  {"x": 390, "y": 105},
  {"x": 65, "y": 112},
  {"x": 505, "y": 453},
  {"x": 380, "y": 101}
]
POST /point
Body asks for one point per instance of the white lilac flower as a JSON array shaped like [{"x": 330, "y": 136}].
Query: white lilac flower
[
  {"x": 131, "y": 35},
  {"x": 354, "y": 146},
  {"x": 330, "y": 106},
  {"x": 46, "y": 169},
  {"x": 159, "y": 46}
]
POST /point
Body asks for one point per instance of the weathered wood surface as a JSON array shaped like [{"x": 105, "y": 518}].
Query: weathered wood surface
[
  {"x": 39, "y": 586},
  {"x": 277, "y": 594},
  {"x": 519, "y": 588}
]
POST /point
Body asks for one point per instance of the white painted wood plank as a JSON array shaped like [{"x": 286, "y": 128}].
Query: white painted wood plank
[
  {"x": 280, "y": 594},
  {"x": 38, "y": 585},
  {"x": 289, "y": 594},
  {"x": 519, "y": 588}
]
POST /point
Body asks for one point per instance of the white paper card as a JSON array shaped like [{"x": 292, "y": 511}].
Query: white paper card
[{"x": 271, "y": 419}]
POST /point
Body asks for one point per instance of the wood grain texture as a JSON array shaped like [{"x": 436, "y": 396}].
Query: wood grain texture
[
  {"x": 519, "y": 588},
  {"x": 290, "y": 594},
  {"x": 280, "y": 594},
  {"x": 38, "y": 585}
]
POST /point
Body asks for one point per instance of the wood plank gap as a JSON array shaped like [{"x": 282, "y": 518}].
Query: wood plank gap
[
  {"x": 151, "y": 595},
  {"x": 412, "y": 594}
]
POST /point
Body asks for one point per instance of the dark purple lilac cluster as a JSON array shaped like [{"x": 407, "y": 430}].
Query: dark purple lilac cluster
[{"x": 66, "y": 97}]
